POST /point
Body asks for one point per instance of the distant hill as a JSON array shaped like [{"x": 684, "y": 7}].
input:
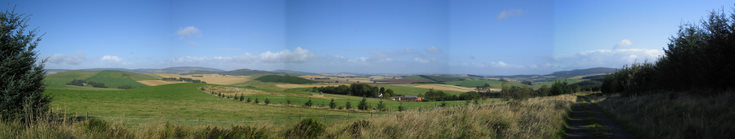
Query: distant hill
[
  {"x": 580, "y": 72},
  {"x": 293, "y": 72},
  {"x": 246, "y": 72},
  {"x": 111, "y": 78}
]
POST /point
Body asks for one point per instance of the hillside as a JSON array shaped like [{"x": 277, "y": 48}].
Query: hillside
[
  {"x": 284, "y": 79},
  {"x": 111, "y": 78},
  {"x": 580, "y": 72}
]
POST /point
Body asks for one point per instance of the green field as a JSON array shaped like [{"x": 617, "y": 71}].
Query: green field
[{"x": 111, "y": 79}]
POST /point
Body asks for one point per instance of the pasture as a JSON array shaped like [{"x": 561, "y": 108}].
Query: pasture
[{"x": 210, "y": 78}]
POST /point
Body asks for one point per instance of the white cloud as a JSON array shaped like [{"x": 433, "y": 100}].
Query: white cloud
[
  {"x": 505, "y": 14},
  {"x": 298, "y": 55},
  {"x": 109, "y": 58},
  {"x": 188, "y": 31},
  {"x": 433, "y": 49},
  {"x": 67, "y": 59},
  {"x": 420, "y": 60},
  {"x": 608, "y": 58},
  {"x": 623, "y": 43}
]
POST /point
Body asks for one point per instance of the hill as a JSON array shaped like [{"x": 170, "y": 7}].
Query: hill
[
  {"x": 284, "y": 79},
  {"x": 246, "y": 72},
  {"x": 581, "y": 72},
  {"x": 110, "y": 78}
]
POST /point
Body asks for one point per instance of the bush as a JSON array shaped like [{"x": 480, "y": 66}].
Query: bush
[
  {"x": 381, "y": 106},
  {"x": 267, "y": 101},
  {"x": 308, "y": 103},
  {"x": 125, "y": 87},
  {"x": 257, "y": 101},
  {"x": 307, "y": 128}
]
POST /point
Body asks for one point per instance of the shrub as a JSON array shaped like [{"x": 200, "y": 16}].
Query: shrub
[
  {"x": 249, "y": 100},
  {"x": 267, "y": 101},
  {"x": 401, "y": 107},
  {"x": 307, "y": 128},
  {"x": 363, "y": 104},
  {"x": 242, "y": 97},
  {"x": 257, "y": 101},
  {"x": 348, "y": 105},
  {"x": 288, "y": 102},
  {"x": 308, "y": 103},
  {"x": 234, "y": 132},
  {"x": 125, "y": 87}
]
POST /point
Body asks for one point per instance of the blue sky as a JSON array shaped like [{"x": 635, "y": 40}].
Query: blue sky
[{"x": 364, "y": 36}]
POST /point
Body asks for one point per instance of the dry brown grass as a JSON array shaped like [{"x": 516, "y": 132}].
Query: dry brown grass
[
  {"x": 344, "y": 80},
  {"x": 289, "y": 86},
  {"x": 211, "y": 78},
  {"x": 533, "y": 118},
  {"x": 445, "y": 87},
  {"x": 233, "y": 91},
  {"x": 673, "y": 115}
]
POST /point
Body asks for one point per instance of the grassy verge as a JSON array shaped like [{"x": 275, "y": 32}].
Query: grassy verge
[
  {"x": 672, "y": 115},
  {"x": 533, "y": 118}
]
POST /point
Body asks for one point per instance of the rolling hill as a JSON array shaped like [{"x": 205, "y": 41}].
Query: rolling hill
[{"x": 111, "y": 78}]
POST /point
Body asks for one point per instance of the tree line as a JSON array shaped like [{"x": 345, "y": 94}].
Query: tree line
[
  {"x": 356, "y": 89},
  {"x": 699, "y": 56}
]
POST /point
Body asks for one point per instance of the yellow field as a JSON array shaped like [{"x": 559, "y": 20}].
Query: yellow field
[
  {"x": 157, "y": 82},
  {"x": 445, "y": 87},
  {"x": 346, "y": 80},
  {"x": 210, "y": 78},
  {"x": 289, "y": 86}
]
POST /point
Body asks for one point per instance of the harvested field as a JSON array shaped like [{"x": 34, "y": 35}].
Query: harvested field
[
  {"x": 289, "y": 86},
  {"x": 348, "y": 80},
  {"x": 231, "y": 91},
  {"x": 210, "y": 78},
  {"x": 157, "y": 82},
  {"x": 445, "y": 87}
]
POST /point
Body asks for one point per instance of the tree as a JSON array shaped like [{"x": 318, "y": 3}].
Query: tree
[
  {"x": 332, "y": 104},
  {"x": 267, "y": 101},
  {"x": 288, "y": 102},
  {"x": 308, "y": 103},
  {"x": 242, "y": 97},
  {"x": 348, "y": 105},
  {"x": 381, "y": 106},
  {"x": 248, "y": 100},
  {"x": 256, "y": 101},
  {"x": 363, "y": 104},
  {"x": 21, "y": 71},
  {"x": 401, "y": 108},
  {"x": 444, "y": 104}
]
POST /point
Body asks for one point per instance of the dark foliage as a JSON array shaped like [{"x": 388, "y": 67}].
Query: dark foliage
[
  {"x": 697, "y": 57},
  {"x": 307, "y": 128},
  {"x": 21, "y": 71}
]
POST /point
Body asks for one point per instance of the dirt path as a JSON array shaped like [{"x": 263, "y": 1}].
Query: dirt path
[{"x": 587, "y": 122}]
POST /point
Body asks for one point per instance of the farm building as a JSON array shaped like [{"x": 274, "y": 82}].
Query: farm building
[{"x": 406, "y": 98}]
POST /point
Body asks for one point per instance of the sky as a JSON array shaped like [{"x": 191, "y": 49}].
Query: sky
[{"x": 484, "y": 37}]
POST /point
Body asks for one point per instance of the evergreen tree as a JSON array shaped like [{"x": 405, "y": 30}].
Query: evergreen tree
[
  {"x": 267, "y": 101},
  {"x": 21, "y": 72},
  {"x": 256, "y": 101},
  {"x": 332, "y": 104},
  {"x": 348, "y": 105},
  {"x": 401, "y": 108},
  {"x": 242, "y": 97},
  {"x": 249, "y": 100},
  {"x": 288, "y": 102},
  {"x": 363, "y": 104},
  {"x": 381, "y": 106}
]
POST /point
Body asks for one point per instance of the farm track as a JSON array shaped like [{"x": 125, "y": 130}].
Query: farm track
[{"x": 588, "y": 122}]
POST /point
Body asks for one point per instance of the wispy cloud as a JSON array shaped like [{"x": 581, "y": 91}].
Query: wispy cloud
[
  {"x": 188, "y": 31},
  {"x": 109, "y": 58},
  {"x": 505, "y": 14},
  {"x": 67, "y": 59},
  {"x": 623, "y": 43},
  {"x": 297, "y": 55}
]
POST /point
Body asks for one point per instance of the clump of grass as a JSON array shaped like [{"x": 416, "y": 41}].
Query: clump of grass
[
  {"x": 307, "y": 128},
  {"x": 673, "y": 115}
]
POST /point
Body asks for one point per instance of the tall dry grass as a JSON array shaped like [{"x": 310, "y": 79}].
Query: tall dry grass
[
  {"x": 673, "y": 115},
  {"x": 541, "y": 117}
]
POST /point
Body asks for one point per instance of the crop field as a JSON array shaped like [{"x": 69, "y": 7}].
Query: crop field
[
  {"x": 210, "y": 78},
  {"x": 445, "y": 87}
]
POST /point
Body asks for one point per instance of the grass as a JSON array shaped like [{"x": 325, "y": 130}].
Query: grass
[
  {"x": 284, "y": 79},
  {"x": 180, "y": 104},
  {"x": 409, "y": 90},
  {"x": 673, "y": 115},
  {"x": 115, "y": 79},
  {"x": 533, "y": 118},
  {"x": 111, "y": 79}
]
